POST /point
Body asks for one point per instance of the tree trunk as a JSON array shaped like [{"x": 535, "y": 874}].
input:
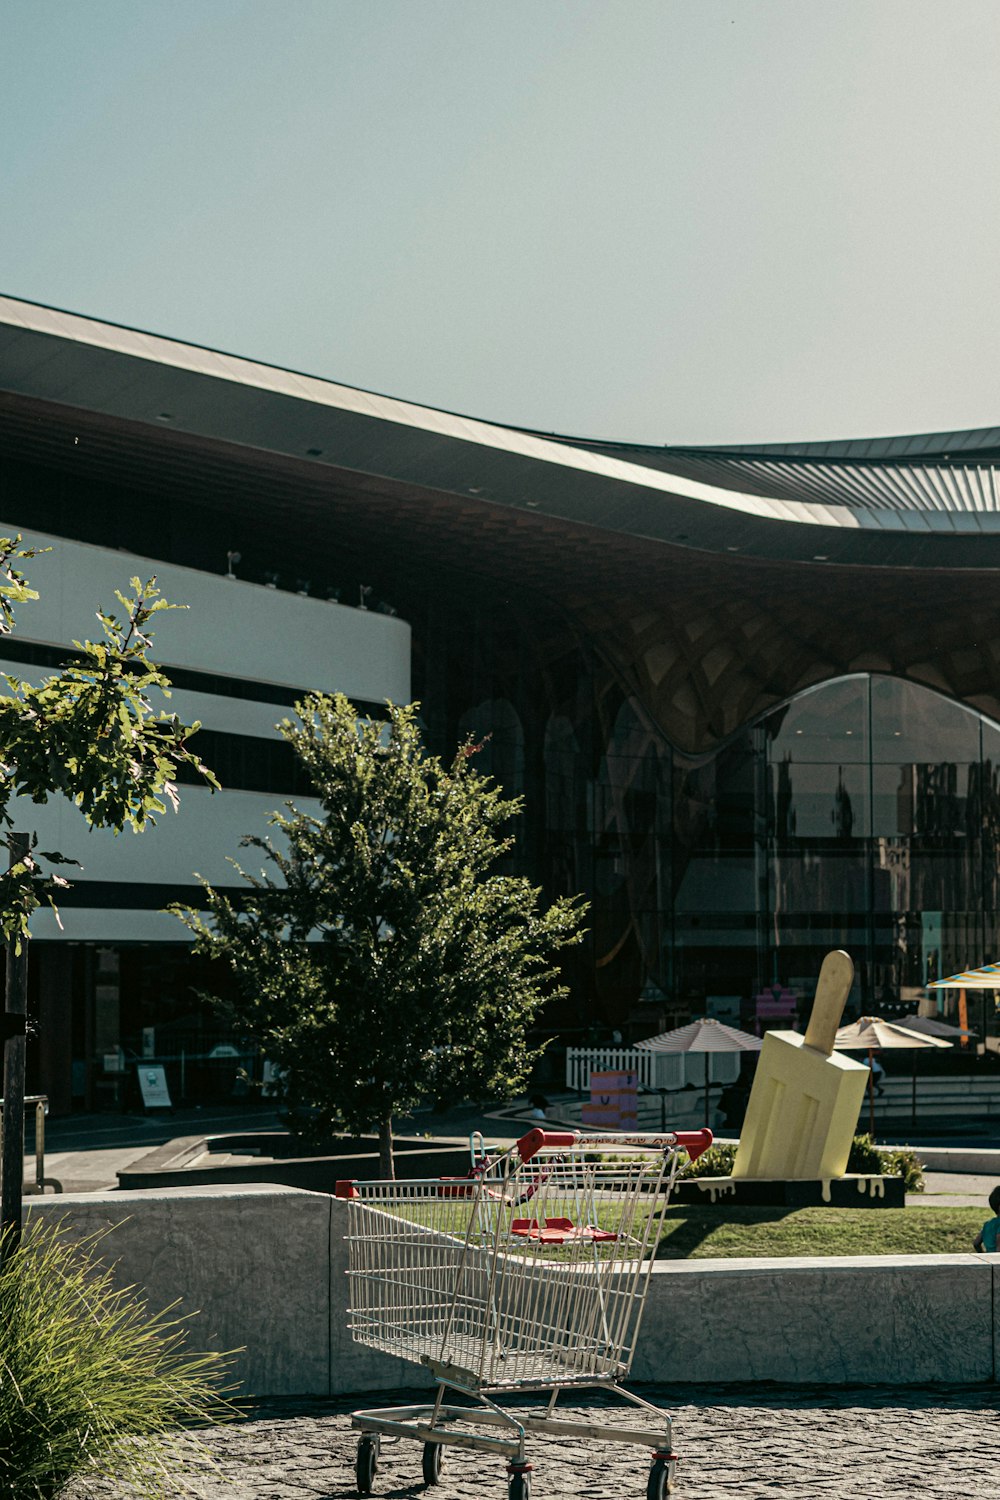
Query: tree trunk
[{"x": 386, "y": 1165}]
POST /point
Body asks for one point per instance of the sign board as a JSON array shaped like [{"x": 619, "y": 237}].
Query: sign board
[{"x": 153, "y": 1086}]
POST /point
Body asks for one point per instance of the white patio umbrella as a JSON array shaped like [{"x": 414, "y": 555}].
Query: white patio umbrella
[
  {"x": 930, "y": 1026},
  {"x": 871, "y": 1034},
  {"x": 705, "y": 1035}
]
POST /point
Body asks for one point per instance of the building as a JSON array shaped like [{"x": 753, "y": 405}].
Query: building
[{"x": 751, "y": 696}]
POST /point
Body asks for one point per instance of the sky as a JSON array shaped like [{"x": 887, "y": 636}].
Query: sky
[{"x": 657, "y": 221}]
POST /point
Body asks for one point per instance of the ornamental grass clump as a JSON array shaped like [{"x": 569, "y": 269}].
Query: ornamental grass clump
[{"x": 93, "y": 1386}]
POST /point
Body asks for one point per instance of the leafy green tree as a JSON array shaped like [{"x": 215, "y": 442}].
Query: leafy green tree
[
  {"x": 380, "y": 960},
  {"x": 89, "y": 733}
]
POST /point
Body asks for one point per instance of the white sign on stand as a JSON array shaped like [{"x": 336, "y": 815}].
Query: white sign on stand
[{"x": 153, "y": 1086}]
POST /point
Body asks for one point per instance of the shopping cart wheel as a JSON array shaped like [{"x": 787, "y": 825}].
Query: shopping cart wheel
[
  {"x": 519, "y": 1485},
  {"x": 367, "y": 1462},
  {"x": 661, "y": 1478},
  {"x": 433, "y": 1454}
]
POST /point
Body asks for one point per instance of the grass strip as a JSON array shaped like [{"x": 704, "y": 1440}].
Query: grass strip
[{"x": 693, "y": 1233}]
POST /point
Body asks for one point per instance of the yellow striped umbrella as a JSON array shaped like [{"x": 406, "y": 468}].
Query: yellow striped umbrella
[{"x": 986, "y": 977}]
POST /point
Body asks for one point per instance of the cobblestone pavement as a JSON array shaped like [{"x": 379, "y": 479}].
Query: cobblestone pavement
[{"x": 794, "y": 1444}]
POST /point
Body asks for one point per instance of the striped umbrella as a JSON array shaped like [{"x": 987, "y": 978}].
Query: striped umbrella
[
  {"x": 706, "y": 1035},
  {"x": 987, "y": 977}
]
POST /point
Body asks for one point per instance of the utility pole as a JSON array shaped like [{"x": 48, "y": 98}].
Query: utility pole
[{"x": 13, "y": 1035}]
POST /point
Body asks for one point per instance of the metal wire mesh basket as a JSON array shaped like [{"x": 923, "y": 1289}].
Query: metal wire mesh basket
[{"x": 529, "y": 1275}]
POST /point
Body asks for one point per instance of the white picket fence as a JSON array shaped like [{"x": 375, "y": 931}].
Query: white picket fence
[{"x": 655, "y": 1070}]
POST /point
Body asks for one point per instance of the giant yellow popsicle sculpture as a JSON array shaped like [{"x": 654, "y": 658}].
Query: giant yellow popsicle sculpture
[{"x": 805, "y": 1099}]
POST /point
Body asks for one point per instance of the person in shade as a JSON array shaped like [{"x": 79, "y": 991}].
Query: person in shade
[{"x": 986, "y": 1239}]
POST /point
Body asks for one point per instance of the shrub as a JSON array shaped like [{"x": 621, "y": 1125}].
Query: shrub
[
  {"x": 903, "y": 1162},
  {"x": 91, "y": 1384},
  {"x": 717, "y": 1161},
  {"x": 865, "y": 1155}
]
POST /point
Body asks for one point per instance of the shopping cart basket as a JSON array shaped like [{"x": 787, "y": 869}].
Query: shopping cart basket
[{"x": 529, "y": 1276}]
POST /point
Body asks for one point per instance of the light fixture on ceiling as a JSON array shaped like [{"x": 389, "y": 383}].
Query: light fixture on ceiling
[
  {"x": 232, "y": 558},
  {"x": 271, "y": 580},
  {"x": 332, "y": 594},
  {"x": 302, "y": 586},
  {"x": 364, "y": 589}
]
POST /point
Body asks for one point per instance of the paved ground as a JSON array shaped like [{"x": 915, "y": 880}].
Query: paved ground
[
  {"x": 793, "y": 1444},
  {"x": 84, "y": 1153},
  {"x": 772, "y": 1444}
]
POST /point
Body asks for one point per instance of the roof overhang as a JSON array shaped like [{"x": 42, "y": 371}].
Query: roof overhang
[{"x": 135, "y": 398}]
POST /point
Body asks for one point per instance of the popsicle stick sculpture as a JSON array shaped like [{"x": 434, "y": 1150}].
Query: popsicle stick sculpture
[{"x": 805, "y": 1099}]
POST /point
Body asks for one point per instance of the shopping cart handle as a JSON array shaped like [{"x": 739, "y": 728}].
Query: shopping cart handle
[
  {"x": 537, "y": 1140},
  {"x": 695, "y": 1142}
]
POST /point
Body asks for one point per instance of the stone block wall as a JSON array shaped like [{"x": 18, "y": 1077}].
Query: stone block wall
[{"x": 264, "y": 1268}]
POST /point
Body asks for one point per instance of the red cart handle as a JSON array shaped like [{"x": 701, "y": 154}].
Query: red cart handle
[
  {"x": 536, "y": 1140},
  {"x": 694, "y": 1142}
]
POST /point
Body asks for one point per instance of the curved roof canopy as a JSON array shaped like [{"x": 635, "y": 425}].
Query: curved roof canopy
[
  {"x": 713, "y": 584},
  {"x": 912, "y": 502}
]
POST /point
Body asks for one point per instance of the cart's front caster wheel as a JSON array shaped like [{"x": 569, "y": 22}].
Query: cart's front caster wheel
[
  {"x": 661, "y": 1477},
  {"x": 519, "y": 1483},
  {"x": 367, "y": 1462},
  {"x": 433, "y": 1454}
]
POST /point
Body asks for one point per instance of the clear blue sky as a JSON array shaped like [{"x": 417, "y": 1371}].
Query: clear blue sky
[{"x": 657, "y": 220}]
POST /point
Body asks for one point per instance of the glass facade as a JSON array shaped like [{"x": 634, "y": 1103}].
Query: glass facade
[{"x": 864, "y": 814}]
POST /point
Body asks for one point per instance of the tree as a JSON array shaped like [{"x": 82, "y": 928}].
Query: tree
[
  {"x": 89, "y": 733},
  {"x": 379, "y": 959}
]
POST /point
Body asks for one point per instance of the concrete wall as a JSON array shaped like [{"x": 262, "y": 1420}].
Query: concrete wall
[{"x": 265, "y": 1267}]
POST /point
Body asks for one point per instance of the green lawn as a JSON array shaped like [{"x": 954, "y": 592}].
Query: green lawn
[{"x": 699, "y": 1233}]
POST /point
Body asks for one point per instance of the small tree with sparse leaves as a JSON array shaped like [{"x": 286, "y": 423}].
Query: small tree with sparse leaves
[
  {"x": 380, "y": 959},
  {"x": 89, "y": 733}
]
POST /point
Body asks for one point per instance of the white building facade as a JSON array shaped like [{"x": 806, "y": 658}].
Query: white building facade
[{"x": 115, "y": 982}]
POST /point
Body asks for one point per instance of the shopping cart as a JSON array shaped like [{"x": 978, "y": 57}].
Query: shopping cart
[{"x": 529, "y": 1276}]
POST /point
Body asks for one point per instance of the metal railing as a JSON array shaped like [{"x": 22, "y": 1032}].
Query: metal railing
[{"x": 41, "y": 1105}]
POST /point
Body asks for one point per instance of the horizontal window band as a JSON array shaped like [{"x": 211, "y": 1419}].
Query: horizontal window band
[
  {"x": 248, "y": 763},
  {"x": 132, "y": 895},
  {"x": 35, "y": 654}
]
